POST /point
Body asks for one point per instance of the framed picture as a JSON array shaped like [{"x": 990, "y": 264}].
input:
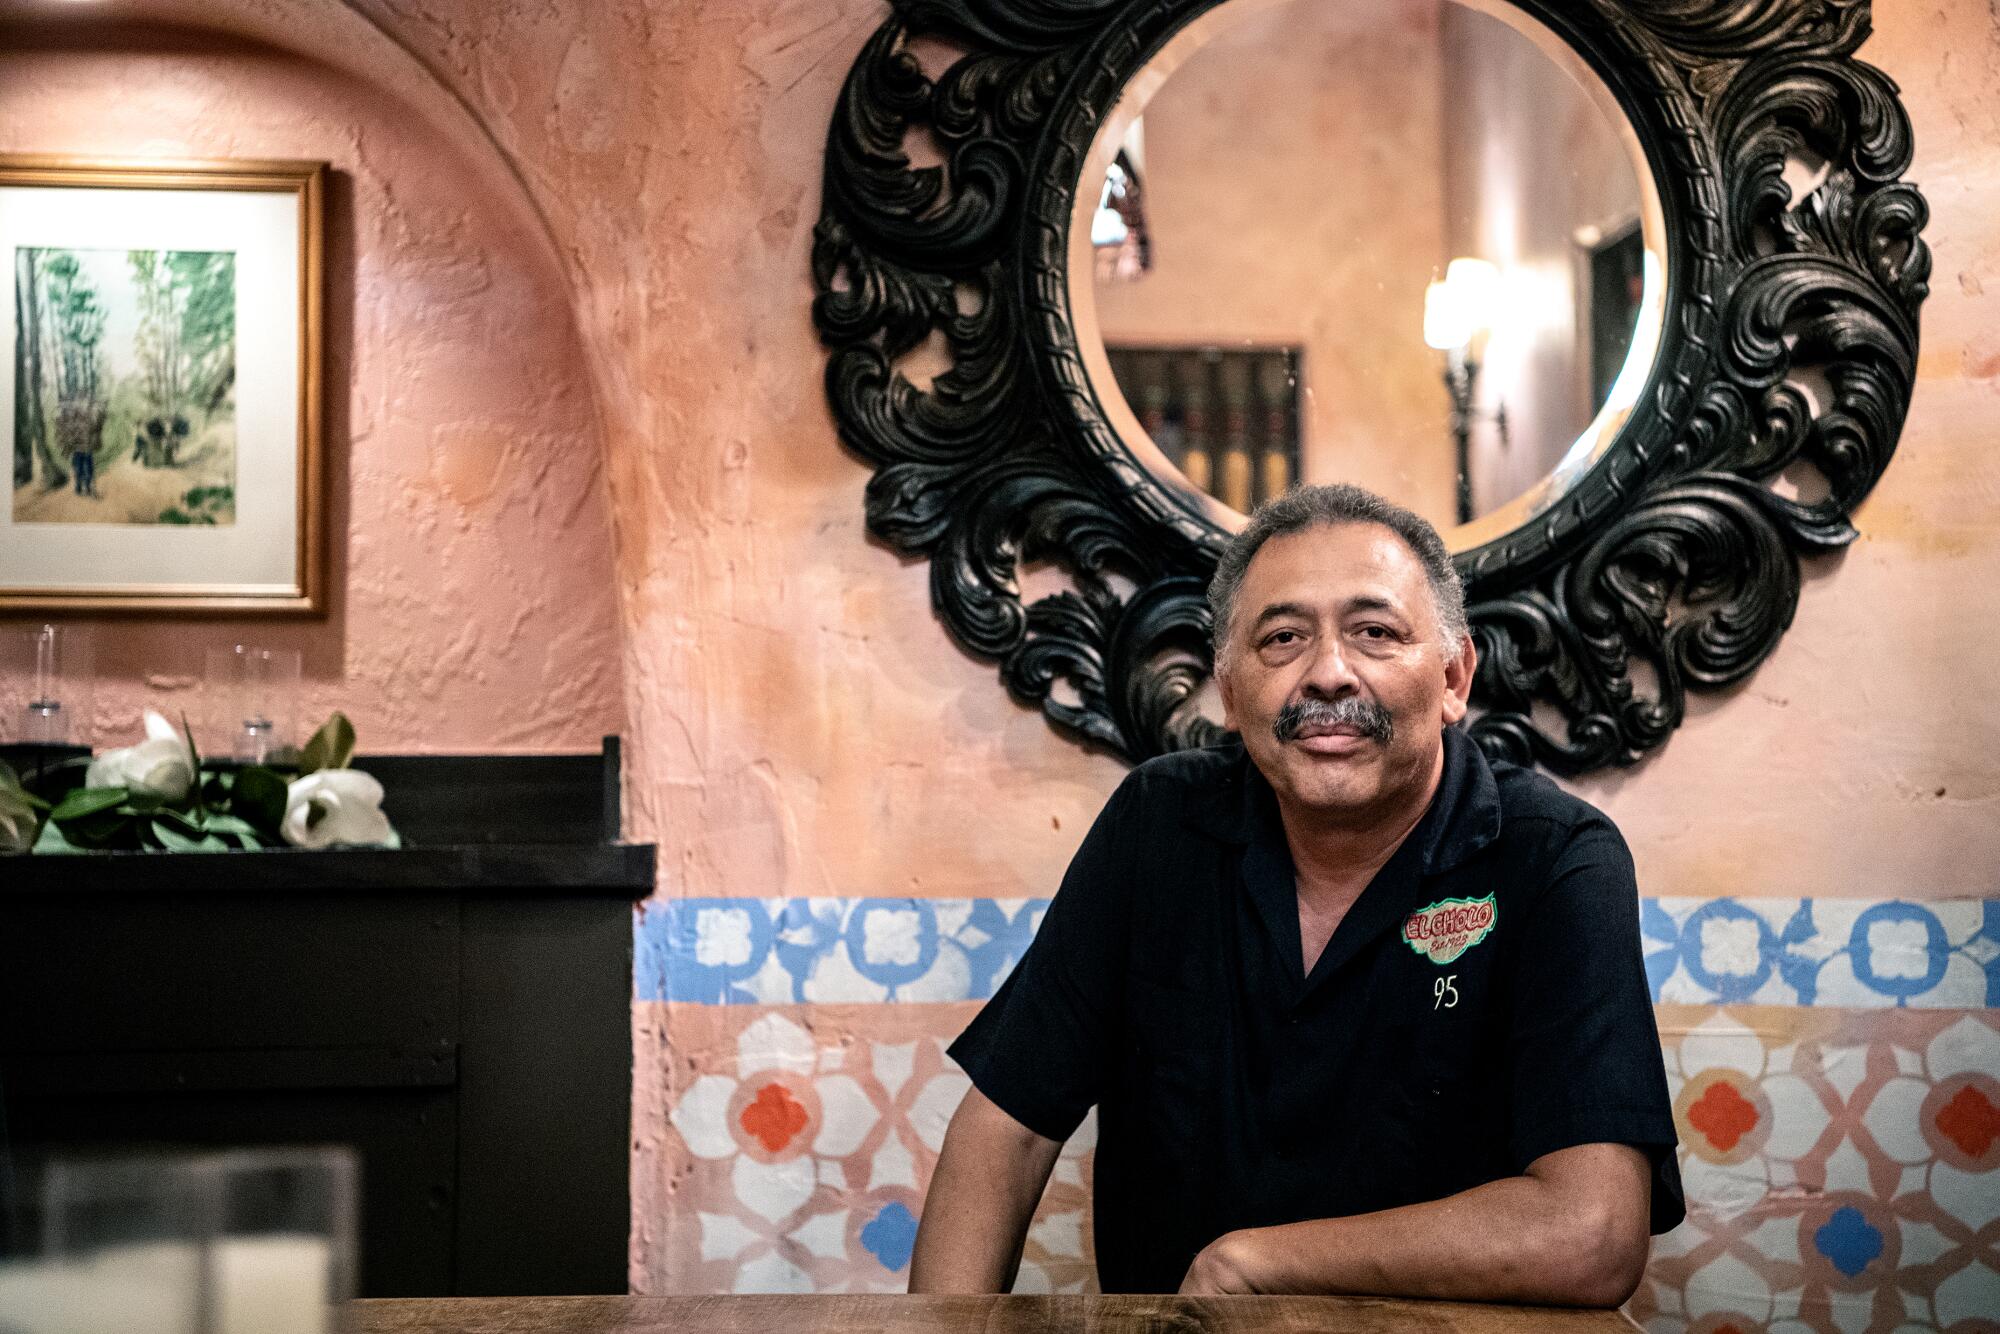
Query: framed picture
[{"x": 160, "y": 371}]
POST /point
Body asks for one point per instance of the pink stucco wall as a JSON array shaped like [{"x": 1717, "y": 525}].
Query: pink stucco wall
[
  {"x": 802, "y": 725},
  {"x": 799, "y": 720},
  {"x": 474, "y": 605},
  {"x": 1864, "y": 758}
]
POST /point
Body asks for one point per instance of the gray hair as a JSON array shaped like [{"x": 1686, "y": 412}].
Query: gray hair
[{"x": 1311, "y": 506}]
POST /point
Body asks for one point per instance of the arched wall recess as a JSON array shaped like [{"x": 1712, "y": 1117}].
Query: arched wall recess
[
  {"x": 348, "y": 37},
  {"x": 455, "y": 453},
  {"x": 1789, "y": 344}
]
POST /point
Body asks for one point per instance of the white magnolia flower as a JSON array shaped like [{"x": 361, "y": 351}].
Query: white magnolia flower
[
  {"x": 160, "y": 766},
  {"x": 17, "y": 822},
  {"x": 349, "y": 806}
]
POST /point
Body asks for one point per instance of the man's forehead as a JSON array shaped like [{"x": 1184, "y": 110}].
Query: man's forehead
[{"x": 1335, "y": 563}]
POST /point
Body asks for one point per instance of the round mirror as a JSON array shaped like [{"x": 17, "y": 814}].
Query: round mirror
[{"x": 1410, "y": 244}]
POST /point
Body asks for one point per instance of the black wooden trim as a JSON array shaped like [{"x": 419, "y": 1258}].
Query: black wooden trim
[
  {"x": 618, "y": 870},
  {"x": 612, "y": 789},
  {"x": 459, "y": 799},
  {"x": 544, "y": 1143},
  {"x": 43, "y": 1074}
]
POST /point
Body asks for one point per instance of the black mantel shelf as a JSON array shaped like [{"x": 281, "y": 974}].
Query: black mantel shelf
[
  {"x": 624, "y": 869},
  {"x": 459, "y": 1010}
]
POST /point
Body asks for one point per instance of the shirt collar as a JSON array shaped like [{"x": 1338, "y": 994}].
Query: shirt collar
[{"x": 1464, "y": 815}]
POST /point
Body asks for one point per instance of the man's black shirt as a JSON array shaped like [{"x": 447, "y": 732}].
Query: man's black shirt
[{"x": 1483, "y": 1003}]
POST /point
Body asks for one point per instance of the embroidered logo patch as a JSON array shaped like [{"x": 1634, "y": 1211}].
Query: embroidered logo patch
[{"x": 1450, "y": 927}]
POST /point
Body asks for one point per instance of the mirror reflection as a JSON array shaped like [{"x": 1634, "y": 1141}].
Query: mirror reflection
[{"x": 1405, "y": 243}]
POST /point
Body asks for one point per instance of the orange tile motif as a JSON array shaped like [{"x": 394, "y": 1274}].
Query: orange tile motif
[
  {"x": 1970, "y": 1120},
  {"x": 773, "y": 1117},
  {"x": 1723, "y": 1115}
]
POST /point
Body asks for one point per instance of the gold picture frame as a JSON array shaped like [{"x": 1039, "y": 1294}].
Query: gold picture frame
[{"x": 152, "y": 411}]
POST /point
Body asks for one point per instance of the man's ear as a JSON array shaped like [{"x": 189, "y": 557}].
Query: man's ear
[
  {"x": 1458, "y": 673},
  {"x": 1223, "y": 688}
]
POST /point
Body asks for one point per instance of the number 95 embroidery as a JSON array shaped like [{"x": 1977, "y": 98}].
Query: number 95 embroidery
[{"x": 1445, "y": 995}]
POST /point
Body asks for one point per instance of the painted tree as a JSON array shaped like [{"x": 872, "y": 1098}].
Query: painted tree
[
  {"x": 187, "y": 327},
  {"x": 79, "y": 319},
  {"x": 27, "y": 367},
  {"x": 157, "y": 343},
  {"x": 31, "y": 388},
  {"x": 79, "y": 328},
  {"x": 208, "y": 323}
]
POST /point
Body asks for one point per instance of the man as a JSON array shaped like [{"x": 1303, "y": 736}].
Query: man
[
  {"x": 80, "y": 427},
  {"x": 1360, "y": 1011}
]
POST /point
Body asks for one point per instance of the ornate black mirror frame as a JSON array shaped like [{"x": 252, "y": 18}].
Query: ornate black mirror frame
[{"x": 1790, "y": 341}]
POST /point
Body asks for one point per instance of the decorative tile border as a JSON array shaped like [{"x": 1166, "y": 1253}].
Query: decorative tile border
[
  {"x": 1842, "y": 1171},
  {"x": 1840, "y": 1120},
  {"x": 1857, "y": 953},
  {"x": 1842, "y": 1166},
  {"x": 828, "y": 950},
  {"x": 798, "y": 1151},
  {"x": 1853, "y": 953}
]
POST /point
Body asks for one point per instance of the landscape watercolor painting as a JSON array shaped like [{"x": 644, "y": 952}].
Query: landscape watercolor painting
[{"x": 125, "y": 386}]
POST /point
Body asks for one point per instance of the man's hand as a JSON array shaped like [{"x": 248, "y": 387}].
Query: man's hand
[
  {"x": 1571, "y": 1232},
  {"x": 988, "y": 1179}
]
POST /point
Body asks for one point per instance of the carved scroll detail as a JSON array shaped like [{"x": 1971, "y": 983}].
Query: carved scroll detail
[{"x": 1790, "y": 348}]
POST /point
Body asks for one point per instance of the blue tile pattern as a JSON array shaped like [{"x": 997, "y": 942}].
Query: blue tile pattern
[
  {"x": 1849, "y": 1240},
  {"x": 891, "y": 1236},
  {"x": 1943, "y": 954},
  {"x": 828, "y": 950}
]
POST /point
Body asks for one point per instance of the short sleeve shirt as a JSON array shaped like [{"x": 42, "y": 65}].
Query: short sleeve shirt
[{"x": 1483, "y": 1003}]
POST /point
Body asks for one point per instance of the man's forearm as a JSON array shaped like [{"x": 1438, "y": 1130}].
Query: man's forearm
[
  {"x": 988, "y": 1179},
  {"x": 1572, "y": 1236}
]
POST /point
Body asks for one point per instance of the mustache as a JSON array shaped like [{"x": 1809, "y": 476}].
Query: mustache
[{"x": 1370, "y": 718}]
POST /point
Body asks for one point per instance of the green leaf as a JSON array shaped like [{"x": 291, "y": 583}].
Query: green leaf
[
  {"x": 52, "y": 840},
  {"x": 173, "y": 840},
  {"x": 87, "y": 801},
  {"x": 97, "y": 817},
  {"x": 105, "y": 829},
  {"x": 259, "y": 797},
  {"x": 187, "y": 826},
  {"x": 240, "y": 830},
  {"x": 330, "y": 748}
]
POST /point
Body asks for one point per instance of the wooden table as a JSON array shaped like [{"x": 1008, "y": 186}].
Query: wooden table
[{"x": 974, "y": 1315}]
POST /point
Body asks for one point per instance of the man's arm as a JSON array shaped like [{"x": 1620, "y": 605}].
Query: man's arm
[
  {"x": 1571, "y": 1232},
  {"x": 988, "y": 1180}
]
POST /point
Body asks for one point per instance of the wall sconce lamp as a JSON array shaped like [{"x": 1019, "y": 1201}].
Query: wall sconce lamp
[{"x": 1459, "y": 312}]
